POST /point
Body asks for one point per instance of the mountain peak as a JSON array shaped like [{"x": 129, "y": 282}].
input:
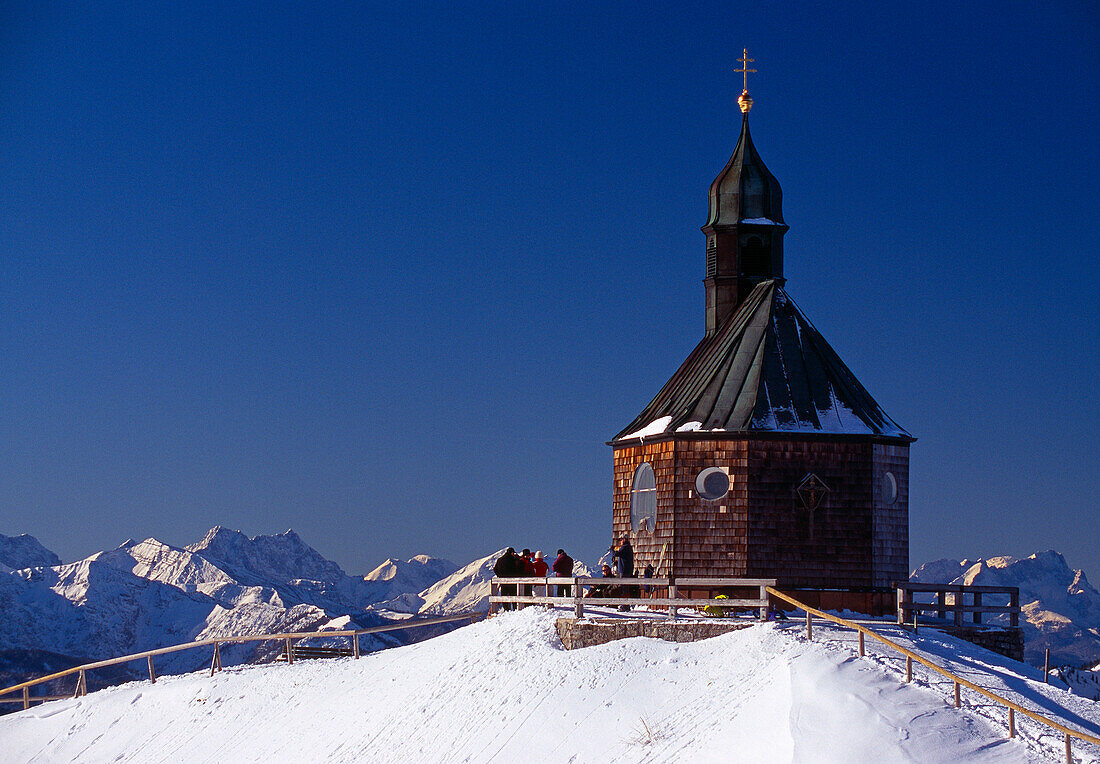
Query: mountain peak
[
  {"x": 24, "y": 551},
  {"x": 283, "y": 556}
]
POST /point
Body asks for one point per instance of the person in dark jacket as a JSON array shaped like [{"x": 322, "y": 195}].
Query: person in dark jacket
[
  {"x": 624, "y": 561},
  {"x": 563, "y": 568},
  {"x": 508, "y": 565},
  {"x": 603, "y": 590},
  {"x": 624, "y": 558}
]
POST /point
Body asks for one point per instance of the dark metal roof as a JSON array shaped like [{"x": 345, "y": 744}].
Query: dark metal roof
[
  {"x": 767, "y": 369},
  {"x": 745, "y": 189}
]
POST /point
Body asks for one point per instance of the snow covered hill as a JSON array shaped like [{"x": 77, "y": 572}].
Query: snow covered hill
[
  {"x": 1059, "y": 608},
  {"x": 504, "y": 690}
]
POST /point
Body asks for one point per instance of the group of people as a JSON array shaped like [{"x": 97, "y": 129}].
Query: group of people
[{"x": 527, "y": 565}]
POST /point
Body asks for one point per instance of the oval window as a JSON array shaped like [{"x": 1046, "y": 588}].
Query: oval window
[
  {"x": 643, "y": 499},
  {"x": 712, "y": 483},
  {"x": 889, "y": 488}
]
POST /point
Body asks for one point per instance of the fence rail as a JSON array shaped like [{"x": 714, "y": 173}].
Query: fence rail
[
  {"x": 959, "y": 682},
  {"x": 951, "y": 598},
  {"x": 288, "y": 639},
  {"x": 577, "y": 596}
]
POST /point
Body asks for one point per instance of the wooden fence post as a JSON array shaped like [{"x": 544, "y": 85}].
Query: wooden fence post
[
  {"x": 1011, "y": 722},
  {"x": 861, "y": 653},
  {"x": 26, "y": 698},
  {"x": 578, "y": 598},
  {"x": 355, "y": 645},
  {"x": 673, "y": 611},
  {"x": 289, "y": 652},
  {"x": 908, "y": 668},
  {"x": 764, "y": 599},
  {"x": 1014, "y": 603},
  {"x": 152, "y": 674},
  {"x": 977, "y": 603},
  {"x": 215, "y": 660},
  {"x": 1069, "y": 753},
  {"x": 915, "y": 621},
  {"x": 960, "y": 599},
  {"x": 903, "y": 596},
  {"x": 494, "y": 591},
  {"x": 958, "y": 695},
  {"x": 1046, "y": 667},
  {"x": 81, "y": 684},
  {"x": 809, "y": 626},
  {"x": 941, "y": 600}
]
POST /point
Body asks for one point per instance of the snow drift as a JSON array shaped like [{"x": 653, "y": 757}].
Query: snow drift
[{"x": 504, "y": 690}]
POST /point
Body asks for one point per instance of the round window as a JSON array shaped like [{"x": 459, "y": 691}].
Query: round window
[
  {"x": 643, "y": 499},
  {"x": 712, "y": 483},
  {"x": 889, "y": 488}
]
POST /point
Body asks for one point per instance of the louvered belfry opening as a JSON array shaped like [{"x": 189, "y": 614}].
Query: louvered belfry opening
[{"x": 768, "y": 457}]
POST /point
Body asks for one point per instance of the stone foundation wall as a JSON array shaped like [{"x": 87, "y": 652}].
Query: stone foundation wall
[
  {"x": 1005, "y": 641},
  {"x": 577, "y": 633}
]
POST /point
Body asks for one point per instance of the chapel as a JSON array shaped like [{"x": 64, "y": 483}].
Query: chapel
[{"x": 763, "y": 456}]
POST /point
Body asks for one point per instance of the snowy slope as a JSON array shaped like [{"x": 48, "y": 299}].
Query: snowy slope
[
  {"x": 504, "y": 690},
  {"x": 1059, "y": 608}
]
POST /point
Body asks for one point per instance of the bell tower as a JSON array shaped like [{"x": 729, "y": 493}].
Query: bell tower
[{"x": 744, "y": 226}]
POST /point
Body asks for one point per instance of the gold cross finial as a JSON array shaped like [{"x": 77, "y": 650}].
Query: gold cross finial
[
  {"x": 745, "y": 100},
  {"x": 745, "y": 61}
]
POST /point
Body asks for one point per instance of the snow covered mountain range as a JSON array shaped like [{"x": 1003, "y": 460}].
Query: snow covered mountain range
[
  {"x": 1059, "y": 608},
  {"x": 149, "y": 594}
]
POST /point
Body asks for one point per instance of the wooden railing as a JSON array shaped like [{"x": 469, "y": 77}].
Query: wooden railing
[
  {"x": 287, "y": 638},
  {"x": 959, "y": 682},
  {"x": 956, "y": 604},
  {"x": 577, "y": 597}
]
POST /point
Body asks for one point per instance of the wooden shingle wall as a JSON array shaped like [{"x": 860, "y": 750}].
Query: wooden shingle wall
[
  {"x": 649, "y": 547},
  {"x": 761, "y": 528},
  {"x": 891, "y": 519},
  {"x": 711, "y": 536},
  {"x": 828, "y": 547}
]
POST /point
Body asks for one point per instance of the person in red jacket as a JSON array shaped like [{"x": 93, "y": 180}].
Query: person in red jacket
[{"x": 541, "y": 569}]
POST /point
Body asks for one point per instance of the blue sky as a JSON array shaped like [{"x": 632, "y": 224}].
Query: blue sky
[{"x": 392, "y": 274}]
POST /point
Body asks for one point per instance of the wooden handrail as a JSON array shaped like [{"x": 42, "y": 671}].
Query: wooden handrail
[
  {"x": 1016, "y": 707},
  {"x": 957, "y": 588},
  {"x": 727, "y": 583},
  {"x": 355, "y": 633},
  {"x": 907, "y": 605},
  {"x": 672, "y": 603}
]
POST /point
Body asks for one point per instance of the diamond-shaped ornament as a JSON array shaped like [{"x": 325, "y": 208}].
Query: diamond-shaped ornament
[{"x": 811, "y": 491}]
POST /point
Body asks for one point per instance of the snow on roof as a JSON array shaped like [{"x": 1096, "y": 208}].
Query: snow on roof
[{"x": 656, "y": 427}]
